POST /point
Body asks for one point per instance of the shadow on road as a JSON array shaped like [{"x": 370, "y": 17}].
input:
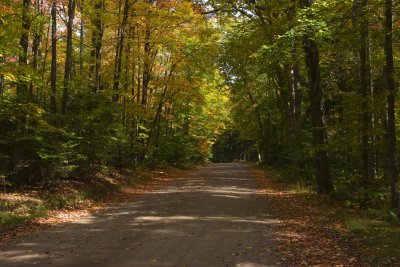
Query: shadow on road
[{"x": 213, "y": 218}]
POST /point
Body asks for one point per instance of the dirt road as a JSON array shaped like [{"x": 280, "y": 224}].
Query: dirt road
[{"x": 212, "y": 218}]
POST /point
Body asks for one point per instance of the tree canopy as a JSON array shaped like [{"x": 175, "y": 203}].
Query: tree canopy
[
  {"x": 91, "y": 84},
  {"x": 313, "y": 83}
]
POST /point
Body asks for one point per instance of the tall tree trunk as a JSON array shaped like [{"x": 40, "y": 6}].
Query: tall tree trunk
[
  {"x": 296, "y": 112},
  {"x": 146, "y": 66},
  {"x": 365, "y": 89},
  {"x": 119, "y": 50},
  {"x": 160, "y": 106},
  {"x": 22, "y": 87},
  {"x": 132, "y": 117},
  {"x": 46, "y": 49},
  {"x": 68, "y": 56},
  {"x": 139, "y": 69},
  {"x": 2, "y": 60},
  {"x": 97, "y": 42},
  {"x": 36, "y": 52},
  {"x": 134, "y": 64},
  {"x": 298, "y": 97},
  {"x": 323, "y": 175},
  {"x": 81, "y": 37},
  {"x": 138, "y": 156},
  {"x": 127, "y": 71},
  {"x": 2, "y": 84},
  {"x": 390, "y": 83},
  {"x": 53, "y": 72}
]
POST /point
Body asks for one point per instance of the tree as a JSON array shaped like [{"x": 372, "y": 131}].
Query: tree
[
  {"x": 317, "y": 113},
  {"x": 365, "y": 88},
  {"x": 22, "y": 88},
  {"x": 53, "y": 74},
  {"x": 97, "y": 36},
  {"x": 390, "y": 84},
  {"x": 119, "y": 50},
  {"x": 68, "y": 56}
]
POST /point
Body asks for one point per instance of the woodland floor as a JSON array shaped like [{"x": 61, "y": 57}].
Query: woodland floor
[{"x": 219, "y": 215}]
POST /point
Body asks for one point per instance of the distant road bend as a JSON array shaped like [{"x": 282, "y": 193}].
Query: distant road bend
[{"x": 212, "y": 218}]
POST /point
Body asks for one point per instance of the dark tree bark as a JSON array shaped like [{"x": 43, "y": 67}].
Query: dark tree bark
[
  {"x": 53, "y": 72},
  {"x": 160, "y": 107},
  {"x": 323, "y": 175},
  {"x": 81, "y": 37},
  {"x": 297, "y": 94},
  {"x": 296, "y": 100},
  {"x": 390, "y": 84},
  {"x": 36, "y": 51},
  {"x": 2, "y": 59},
  {"x": 97, "y": 42},
  {"x": 146, "y": 67},
  {"x": 119, "y": 50},
  {"x": 22, "y": 87},
  {"x": 2, "y": 84},
  {"x": 364, "y": 90},
  {"x": 68, "y": 56},
  {"x": 139, "y": 71},
  {"x": 134, "y": 65},
  {"x": 127, "y": 72},
  {"x": 138, "y": 155}
]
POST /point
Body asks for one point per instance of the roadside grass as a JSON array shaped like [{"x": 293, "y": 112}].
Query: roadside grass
[
  {"x": 32, "y": 203},
  {"x": 10, "y": 217},
  {"x": 375, "y": 233},
  {"x": 17, "y": 208}
]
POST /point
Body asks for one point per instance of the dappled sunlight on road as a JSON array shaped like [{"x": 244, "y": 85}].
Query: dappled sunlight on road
[{"x": 213, "y": 218}]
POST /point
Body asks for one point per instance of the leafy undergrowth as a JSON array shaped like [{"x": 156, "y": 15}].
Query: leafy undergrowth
[
  {"x": 61, "y": 202},
  {"x": 377, "y": 237},
  {"x": 310, "y": 228}
]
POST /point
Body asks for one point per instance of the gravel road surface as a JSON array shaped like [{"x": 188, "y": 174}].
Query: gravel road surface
[{"x": 212, "y": 218}]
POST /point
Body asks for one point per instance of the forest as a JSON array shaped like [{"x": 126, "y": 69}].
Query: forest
[
  {"x": 313, "y": 85},
  {"x": 91, "y": 85},
  {"x": 308, "y": 87}
]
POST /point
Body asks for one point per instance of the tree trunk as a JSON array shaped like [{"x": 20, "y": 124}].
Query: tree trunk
[
  {"x": 36, "y": 52},
  {"x": 390, "y": 83},
  {"x": 81, "y": 37},
  {"x": 323, "y": 175},
  {"x": 160, "y": 106},
  {"x": 119, "y": 50},
  {"x": 146, "y": 67},
  {"x": 97, "y": 38},
  {"x": 68, "y": 55},
  {"x": 298, "y": 97},
  {"x": 53, "y": 72},
  {"x": 365, "y": 90},
  {"x": 296, "y": 113},
  {"x": 2, "y": 85},
  {"x": 22, "y": 87}
]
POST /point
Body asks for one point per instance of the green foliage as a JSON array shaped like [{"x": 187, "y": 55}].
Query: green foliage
[
  {"x": 151, "y": 97},
  {"x": 15, "y": 212},
  {"x": 179, "y": 150},
  {"x": 32, "y": 150},
  {"x": 264, "y": 62}
]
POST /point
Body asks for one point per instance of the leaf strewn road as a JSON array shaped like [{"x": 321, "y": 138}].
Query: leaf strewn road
[{"x": 213, "y": 218}]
